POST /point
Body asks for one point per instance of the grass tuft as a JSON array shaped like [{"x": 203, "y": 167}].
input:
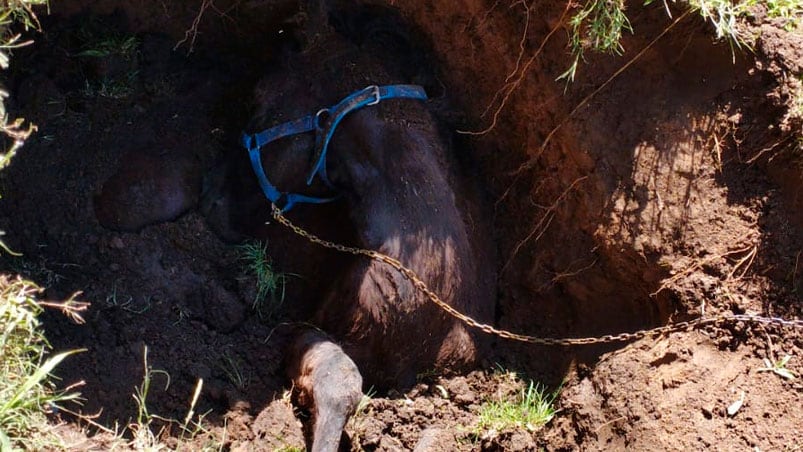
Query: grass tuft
[
  {"x": 530, "y": 409},
  {"x": 724, "y": 15},
  {"x": 598, "y": 26},
  {"x": 270, "y": 285},
  {"x": 119, "y": 45},
  {"x": 790, "y": 11},
  {"x": 27, "y": 392}
]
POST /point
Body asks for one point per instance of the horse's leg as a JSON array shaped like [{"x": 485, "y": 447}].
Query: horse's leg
[{"x": 326, "y": 381}]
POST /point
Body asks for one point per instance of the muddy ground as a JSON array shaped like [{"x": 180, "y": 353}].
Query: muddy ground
[{"x": 620, "y": 203}]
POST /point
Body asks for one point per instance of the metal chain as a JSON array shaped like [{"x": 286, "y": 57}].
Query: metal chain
[{"x": 546, "y": 341}]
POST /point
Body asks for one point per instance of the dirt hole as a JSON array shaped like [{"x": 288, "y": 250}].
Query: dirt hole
[{"x": 642, "y": 209}]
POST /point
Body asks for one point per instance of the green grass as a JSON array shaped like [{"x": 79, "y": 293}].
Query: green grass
[
  {"x": 530, "y": 409},
  {"x": 104, "y": 46},
  {"x": 27, "y": 391},
  {"x": 99, "y": 40},
  {"x": 791, "y": 11},
  {"x": 270, "y": 284},
  {"x": 232, "y": 368},
  {"x": 14, "y": 12},
  {"x": 111, "y": 88},
  {"x": 723, "y": 15},
  {"x": 290, "y": 449},
  {"x": 598, "y": 25},
  {"x": 148, "y": 429}
]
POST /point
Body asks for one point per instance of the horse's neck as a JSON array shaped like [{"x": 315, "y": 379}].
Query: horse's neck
[{"x": 411, "y": 216}]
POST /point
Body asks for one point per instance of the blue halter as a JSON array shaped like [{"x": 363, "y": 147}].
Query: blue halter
[{"x": 323, "y": 123}]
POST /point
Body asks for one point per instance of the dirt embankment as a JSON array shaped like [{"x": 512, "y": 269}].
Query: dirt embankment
[{"x": 622, "y": 201}]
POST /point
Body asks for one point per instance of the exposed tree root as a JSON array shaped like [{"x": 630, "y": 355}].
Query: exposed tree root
[
  {"x": 516, "y": 76},
  {"x": 531, "y": 161},
  {"x": 192, "y": 33},
  {"x": 741, "y": 266},
  {"x": 543, "y": 224},
  {"x": 569, "y": 272}
]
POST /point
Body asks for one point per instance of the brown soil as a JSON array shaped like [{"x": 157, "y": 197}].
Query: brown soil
[{"x": 672, "y": 191}]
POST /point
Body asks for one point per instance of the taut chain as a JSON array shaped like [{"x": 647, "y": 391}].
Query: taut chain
[{"x": 547, "y": 341}]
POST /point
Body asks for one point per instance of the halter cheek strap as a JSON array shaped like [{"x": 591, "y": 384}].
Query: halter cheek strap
[{"x": 324, "y": 123}]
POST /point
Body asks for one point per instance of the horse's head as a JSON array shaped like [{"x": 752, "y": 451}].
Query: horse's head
[
  {"x": 280, "y": 99},
  {"x": 298, "y": 106}
]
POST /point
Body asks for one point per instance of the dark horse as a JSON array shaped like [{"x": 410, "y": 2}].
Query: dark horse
[{"x": 399, "y": 190}]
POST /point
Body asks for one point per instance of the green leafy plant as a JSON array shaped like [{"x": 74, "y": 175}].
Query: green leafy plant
[
  {"x": 27, "y": 391},
  {"x": 290, "y": 449},
  {"x": 14, "y": 12}
]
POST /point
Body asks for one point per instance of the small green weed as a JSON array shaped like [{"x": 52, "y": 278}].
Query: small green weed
[
  {"x": 144, "y": 436},
  {"x": 270, "y": 285},
  {"x": 779, "y": 367},
  {"x": 98, "y": 40},
  {"x": 365, "y": 401},
  {"x": 232, "y": 367},
  {"x": 111, "y": 88},
  {"x": 127, "y": 303},
  {"x": 531, "y": 409},
  {"x": 147, "y": 437},
  {"x": 104, "y": 46},
  {"x": 27, "y": 392},
  {"x": 290, "y": 449}
]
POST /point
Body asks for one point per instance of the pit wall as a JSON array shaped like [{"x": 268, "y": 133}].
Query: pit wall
[{"x": 624, "y": 198}]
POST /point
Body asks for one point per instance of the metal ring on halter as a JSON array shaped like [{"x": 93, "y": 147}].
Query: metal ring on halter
[
  {"x": 377, "y": 96},
  {"x": 318, "y": 117}
]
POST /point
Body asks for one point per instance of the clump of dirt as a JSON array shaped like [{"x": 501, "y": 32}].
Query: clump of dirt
[{"x": 664, "y": 192}]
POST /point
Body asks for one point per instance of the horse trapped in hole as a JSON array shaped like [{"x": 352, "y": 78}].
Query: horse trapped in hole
[{"x": 341, "y": 140}]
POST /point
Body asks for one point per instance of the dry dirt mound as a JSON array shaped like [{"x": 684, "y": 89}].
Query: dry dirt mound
[{"x": 667, "y": 191}]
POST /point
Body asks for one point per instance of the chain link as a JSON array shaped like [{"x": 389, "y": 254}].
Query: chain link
[{"x": 546, "y": 341}]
